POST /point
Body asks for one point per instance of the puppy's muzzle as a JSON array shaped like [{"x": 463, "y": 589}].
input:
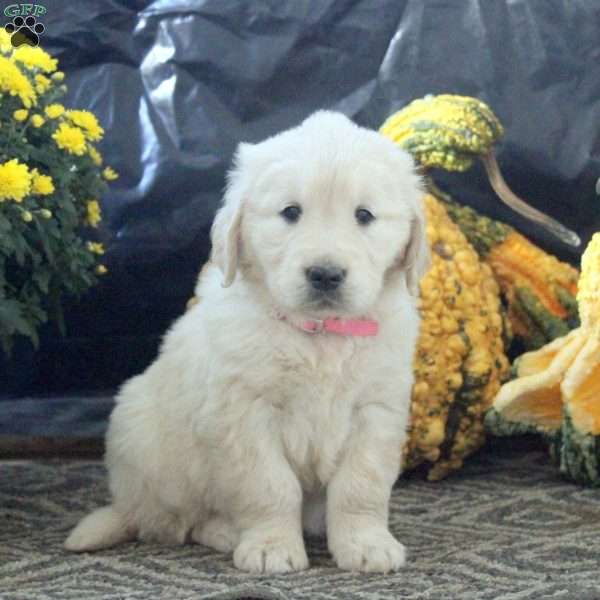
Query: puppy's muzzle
[{"x": 325, "y": 278}]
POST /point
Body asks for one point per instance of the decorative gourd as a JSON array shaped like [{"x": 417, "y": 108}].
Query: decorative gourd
[
  {"x": 556, "y": 390},
  {"x": 446, "y": 131},
  {"x": 539, "y": 290},
  {"x": 459, "y": 361},
  {"x": 450, "y": 132}
]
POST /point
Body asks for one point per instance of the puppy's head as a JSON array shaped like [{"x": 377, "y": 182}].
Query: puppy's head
[{"x": 321, "y": 217}]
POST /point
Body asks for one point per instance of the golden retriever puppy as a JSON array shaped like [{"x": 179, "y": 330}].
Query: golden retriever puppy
[{"x": 279, "y": 403}]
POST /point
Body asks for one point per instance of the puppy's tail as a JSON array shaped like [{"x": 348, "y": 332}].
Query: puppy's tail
[{"x": 103, "y": 528}]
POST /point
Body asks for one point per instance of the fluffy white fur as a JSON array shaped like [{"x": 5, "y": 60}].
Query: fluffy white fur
[{"x": 247, "y": 430}]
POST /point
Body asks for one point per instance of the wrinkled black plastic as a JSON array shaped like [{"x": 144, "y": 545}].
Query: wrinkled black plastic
[{"x": 177, "y": 84}]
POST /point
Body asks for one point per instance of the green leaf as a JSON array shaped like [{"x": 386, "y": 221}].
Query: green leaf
[
  {"x": 20, "y": 249},
  {"x": 13, "y": 320},
  {"x": 45, "y": 242},
  {"x": 5, "y": 225},
  {"x": 42, "y": 279}
]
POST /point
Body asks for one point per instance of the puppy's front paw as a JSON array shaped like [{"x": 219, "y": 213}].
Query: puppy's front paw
[
  {"x": 372, "y": 550},
  {"x": 271, "y": 554}
]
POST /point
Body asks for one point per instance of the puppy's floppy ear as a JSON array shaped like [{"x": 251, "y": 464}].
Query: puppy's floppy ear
[
  {"x": 416, "y": 259},
  {"x": 226, "y": 228}
]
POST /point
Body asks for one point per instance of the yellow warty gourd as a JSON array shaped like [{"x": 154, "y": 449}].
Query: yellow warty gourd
[{"x": 460, "y": 361}]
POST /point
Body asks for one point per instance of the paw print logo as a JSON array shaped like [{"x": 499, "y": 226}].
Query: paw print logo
[{"x": 24, "y": 31}]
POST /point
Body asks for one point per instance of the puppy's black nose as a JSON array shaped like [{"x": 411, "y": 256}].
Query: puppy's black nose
[{"x": 325, "y": 279}]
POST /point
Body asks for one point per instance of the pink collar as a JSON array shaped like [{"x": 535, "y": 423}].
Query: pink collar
[{"x": 347, "y": 327}]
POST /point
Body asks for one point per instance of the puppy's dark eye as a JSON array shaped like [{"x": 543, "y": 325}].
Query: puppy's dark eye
[
  {"x": 363, "y": 216},
  {"x": 291, "y": 213}
]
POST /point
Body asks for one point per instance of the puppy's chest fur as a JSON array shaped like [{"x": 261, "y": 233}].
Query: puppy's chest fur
[{"x": 314, "y": 405}]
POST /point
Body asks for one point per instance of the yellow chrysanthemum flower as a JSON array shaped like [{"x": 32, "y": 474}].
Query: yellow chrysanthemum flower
[
  {"x": 15, "y": 180},
  {"x": 70, "y": 139},
  {"x": 37, "y": 121},
  {"x": 58, "y": 76},
  {"x": 109, "y": 174},
  {"x": 5, "y": 46},
  {"x": 13, "y": 82},
  {"x": 21, "y": 114},
  {"x": 95, "y": 156},
  {"x": 35, "y": 58},
  {"x": 95, "y": 247},
  {"x": 101, "y": 270},
  {"x": 94, "y": 215},
  {"x": 42, "y": 83},
  {"x": 87, "y": 122},
  {"x": 42, "y": 185},
  {"x": 53, "y": 111}
]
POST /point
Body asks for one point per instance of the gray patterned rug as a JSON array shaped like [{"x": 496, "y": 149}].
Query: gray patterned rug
[{"x": 505, "y": 528}]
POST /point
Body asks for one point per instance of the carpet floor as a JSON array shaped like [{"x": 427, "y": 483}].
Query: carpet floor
[{"x": 506, "y": 527}]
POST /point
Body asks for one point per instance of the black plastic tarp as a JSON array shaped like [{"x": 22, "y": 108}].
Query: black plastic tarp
[{"x": 177, "y": 84}]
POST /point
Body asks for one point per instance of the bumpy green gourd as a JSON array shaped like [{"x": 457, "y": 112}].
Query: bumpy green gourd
[
  {"x": 445, "y": 131},
  {"x": 539, "y": 290}
]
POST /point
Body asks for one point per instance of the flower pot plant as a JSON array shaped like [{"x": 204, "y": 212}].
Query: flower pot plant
[{"x": 51, "y": 179}]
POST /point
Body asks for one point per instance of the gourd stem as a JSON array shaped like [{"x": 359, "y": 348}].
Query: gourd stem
[
  {"x": 510, "y": 199},
  {"x": 432, "y": 187}
]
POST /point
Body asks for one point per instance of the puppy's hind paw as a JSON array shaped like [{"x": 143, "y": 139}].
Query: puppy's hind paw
[
  {"x": 271, "y": 554},
  {"x": 370, "y": 551}
]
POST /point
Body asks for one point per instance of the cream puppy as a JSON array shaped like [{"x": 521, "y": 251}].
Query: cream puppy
[{"x": 280, "y": 401}]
